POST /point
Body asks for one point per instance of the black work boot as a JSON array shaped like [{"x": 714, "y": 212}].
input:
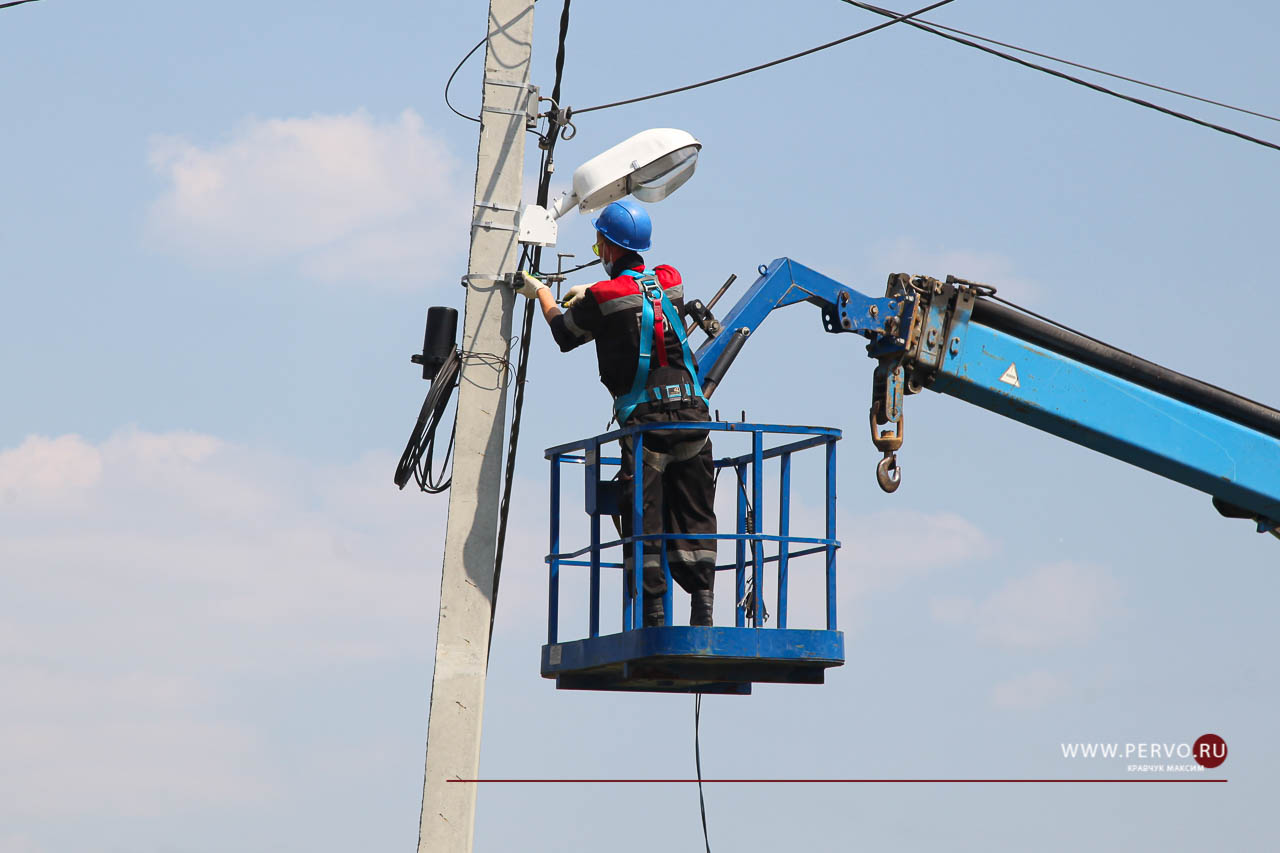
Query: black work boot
[
  {"x": 654, "y": 613},
  {"x": 700, "y": 608}
]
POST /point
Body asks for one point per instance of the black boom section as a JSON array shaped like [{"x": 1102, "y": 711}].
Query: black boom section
[{"x": 1125, "y": 365}]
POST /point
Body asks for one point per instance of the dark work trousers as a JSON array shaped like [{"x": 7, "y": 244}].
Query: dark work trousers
[{"x": 679, "y": 497}]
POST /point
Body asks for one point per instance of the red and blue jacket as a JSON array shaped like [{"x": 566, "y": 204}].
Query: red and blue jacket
[{"x": 609, "y": 313}]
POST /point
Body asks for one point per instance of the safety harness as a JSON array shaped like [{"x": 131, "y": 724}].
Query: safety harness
[{"x": 657, "y": 313}]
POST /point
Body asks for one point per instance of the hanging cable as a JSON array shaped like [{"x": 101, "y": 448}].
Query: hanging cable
[
  {"x": 579, "y": 267},
  {"x": 754, "y": 68},
  {"x": 1063, "y": 75},
  {"x": 1084, "y": 67},
  {"x": 449, "y": 82},
  {"x": 15, "y": 3},
  {"x": 697, "y": 760},
  {"x": 417, "y": 461}
]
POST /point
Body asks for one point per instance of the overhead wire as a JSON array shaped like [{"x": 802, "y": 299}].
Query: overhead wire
[
  {"x": 1084, "y": 67},
  {"x": 15, "y": 3},
  {"x": 765, "y": 65},
  {"x": 1063, "y": 75}
]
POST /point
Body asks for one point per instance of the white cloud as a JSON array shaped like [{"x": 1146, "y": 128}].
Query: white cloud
[
  {"x": 1059, "y": 604},
  {"x": 894, "y": 546},
  {"x": 1029, "y": 692},
  {"x": 881, "y": 551},
  {"x": 42, "y": 471},
  {"x": 993, "y": 268},
  {"x": 131, "y": 617},
  {"x": 345, "y": 197}
]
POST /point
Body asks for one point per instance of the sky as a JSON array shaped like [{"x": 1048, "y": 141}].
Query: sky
[{"x": 221, "y": 226}]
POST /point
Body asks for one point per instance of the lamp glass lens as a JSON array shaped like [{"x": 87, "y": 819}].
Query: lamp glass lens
[{"x": 663, "y": 176}]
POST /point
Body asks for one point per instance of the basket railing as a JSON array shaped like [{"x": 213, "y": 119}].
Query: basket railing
[{"x": 750, "y": 558}]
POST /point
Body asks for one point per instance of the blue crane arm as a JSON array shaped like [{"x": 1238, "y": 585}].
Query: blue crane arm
[
  {"x": 785, "y": 282},
  {"x": 950, "y": 339}
]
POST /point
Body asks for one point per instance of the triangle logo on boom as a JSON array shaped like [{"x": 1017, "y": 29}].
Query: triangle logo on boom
[{"x": 1010, "y": 376}]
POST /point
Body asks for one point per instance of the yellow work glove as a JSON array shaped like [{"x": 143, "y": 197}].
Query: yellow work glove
[
  {"x": 575, "y": 293},
  {"x": 529, "y": 286}
]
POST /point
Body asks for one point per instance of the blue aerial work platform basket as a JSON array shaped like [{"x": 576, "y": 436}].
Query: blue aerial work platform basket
[{"x": 683, "y": 659}]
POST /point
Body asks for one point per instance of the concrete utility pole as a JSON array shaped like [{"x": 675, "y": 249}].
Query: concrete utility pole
[{"x": 466, "y": 586}]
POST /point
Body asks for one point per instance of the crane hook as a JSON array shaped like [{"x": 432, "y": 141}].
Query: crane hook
[{"x": 888, "y": 474}]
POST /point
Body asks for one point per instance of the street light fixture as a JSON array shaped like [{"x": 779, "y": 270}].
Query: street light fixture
[{"x": 650, "y": 165}]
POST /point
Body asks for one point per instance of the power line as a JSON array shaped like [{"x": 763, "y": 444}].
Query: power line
[
  {"x": 754, "y": 68},
  {"x": 1094, "y": 86},
  {"x": 15, "y": 3},
  {"x": 1085, "y": 67}
]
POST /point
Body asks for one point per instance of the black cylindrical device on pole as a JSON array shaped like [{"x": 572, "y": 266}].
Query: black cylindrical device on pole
[{"x": 439, "y": 340}]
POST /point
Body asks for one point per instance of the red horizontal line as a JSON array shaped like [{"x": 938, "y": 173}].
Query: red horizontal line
[{"x": 827, "y": 781}]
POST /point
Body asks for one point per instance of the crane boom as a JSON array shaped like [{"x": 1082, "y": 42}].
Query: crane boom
[{"x": 952, "y": 338}]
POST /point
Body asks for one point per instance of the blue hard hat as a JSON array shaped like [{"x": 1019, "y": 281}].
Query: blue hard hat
[{"x": 626, "y": 224}]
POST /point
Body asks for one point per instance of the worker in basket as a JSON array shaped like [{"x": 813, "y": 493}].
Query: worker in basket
[{"x": 634, "y": 316}]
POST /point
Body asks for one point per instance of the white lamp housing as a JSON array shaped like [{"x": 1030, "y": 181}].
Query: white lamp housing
[{"x": 650, "y": 165}]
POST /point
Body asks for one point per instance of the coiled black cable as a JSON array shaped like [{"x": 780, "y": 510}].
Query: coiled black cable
[{"x": 416, "y": 461}]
